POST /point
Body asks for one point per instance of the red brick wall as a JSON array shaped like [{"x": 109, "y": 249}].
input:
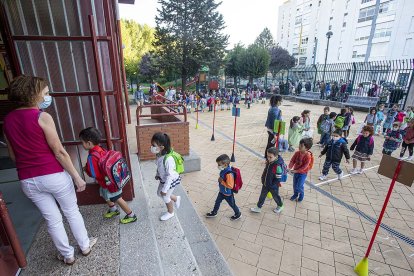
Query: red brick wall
[{"x": 178, "y": 132}]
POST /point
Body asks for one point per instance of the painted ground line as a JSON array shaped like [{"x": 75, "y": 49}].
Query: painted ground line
[
  {"x": 347, "y": 175},
  {"x": 391, "y": 231},
  {"x": 243, "y": 136}
]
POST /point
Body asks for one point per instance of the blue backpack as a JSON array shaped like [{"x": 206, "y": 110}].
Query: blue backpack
[{"x": 284, "y": 171}]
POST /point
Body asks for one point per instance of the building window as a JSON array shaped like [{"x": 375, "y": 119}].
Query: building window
[
  {"x": 366, "y": 14},
  {"x": 344, "y": 24},
  {"x": 330, "y": 18},
  {"x": 386, "y": 7},
  {"x": 319, "y": 4},
  {"x": 345, "y": 14},
  {"x": 354, "y": 54},
  {"x": 330, "y": 27},
  {"x": 365, "y": 1}
]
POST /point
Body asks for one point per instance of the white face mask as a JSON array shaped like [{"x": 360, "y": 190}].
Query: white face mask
[
  {"x": 220, "y": 168},
  {"x": 155, "y": 150},
  {"x": 336, "y": 138},
  {"x": 395, "y": 128},
  {"x": 47, "y": 101}
]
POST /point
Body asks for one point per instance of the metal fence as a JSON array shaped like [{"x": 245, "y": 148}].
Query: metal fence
[{"x": 393, "y": 76}]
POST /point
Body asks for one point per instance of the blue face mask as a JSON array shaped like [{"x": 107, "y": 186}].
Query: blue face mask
[{"x": 47, "y": 101}]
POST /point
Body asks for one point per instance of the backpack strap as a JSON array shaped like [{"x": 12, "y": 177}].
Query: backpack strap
[{"x": 97, "y": 155}]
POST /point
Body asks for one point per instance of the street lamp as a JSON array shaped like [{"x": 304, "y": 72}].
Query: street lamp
[{"x": 328, "y": 35}]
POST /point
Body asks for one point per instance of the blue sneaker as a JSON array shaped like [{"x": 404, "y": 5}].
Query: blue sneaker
[{"x": 294, "y": 197}]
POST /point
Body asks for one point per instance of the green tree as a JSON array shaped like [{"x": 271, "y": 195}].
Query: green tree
[
  {"x": 149, "y": 68},
  {"x": 265, "y": 39},
  {"x": 188, "y": 35},
  {"x": 137, "y": 40},
  {"x": 234, "y": 65},
  {"x": 280, "y": 59},
  {"x": 255, "y": 62}
]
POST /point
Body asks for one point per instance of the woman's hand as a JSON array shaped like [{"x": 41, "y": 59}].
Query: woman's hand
[{"x": 80, "y": 184}]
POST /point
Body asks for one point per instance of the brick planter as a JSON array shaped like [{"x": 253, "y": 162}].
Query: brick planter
[
  {"x": 172, "y": 125},
  {"x": 178, "y": 132}
]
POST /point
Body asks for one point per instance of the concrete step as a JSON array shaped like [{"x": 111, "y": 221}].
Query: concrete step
[
  {"x": 179, "y": 246},
  {"x": 186, "y": 247},
  {"x": 139, "y": 252},
  {"x": 174, "y": 249}
]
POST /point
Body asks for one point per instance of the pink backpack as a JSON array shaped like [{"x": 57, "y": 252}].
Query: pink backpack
[
  {"x": 371, "y": 139},
  {"x": 238, "y": 182},
  {"x": 115, "y": 168}
]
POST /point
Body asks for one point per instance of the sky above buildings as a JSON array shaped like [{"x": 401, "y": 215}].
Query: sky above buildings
[{"x": 244, "y": 19}]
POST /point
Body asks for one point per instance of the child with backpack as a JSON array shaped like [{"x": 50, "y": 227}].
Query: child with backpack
[
  {"x": 294, "y": 133},
  {"x": 169, "y": 167},
  {"x": 95, "y": 167},
  {"x": 226, "y": 182},
  {"x": 300, "y": 164},
  {"x": 323, "y": 117},
  {"x": 274, "y": 173},
  {"x": 340, "y": 120},
  {"x": 334, "y": 150},
  {"x": 371, "y": 118},
  {"x": 347, "y": 122},
  {"x": 305, "y": 120},
  {"x": 380, "y": 119},
  {"x": 327, "y": 127},
  {"x": 393, "y": 139},
  {"x": 389, "y": 120},
  {"x": 364, "y": 147},
  {"x": 408, "y": 141}
]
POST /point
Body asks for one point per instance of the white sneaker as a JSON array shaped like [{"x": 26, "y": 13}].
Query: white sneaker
[
  {"x": 341, "y": 175},
  {"x": 360, "y": 171},
  {"x": 322, "y": 177},
  {"x": 178, "y": 202},
  {"x": 68, "y": 261},
  {"x": 255, "y": 209},
  {"x": 354, "y": 171},
  {"x": 166, "y": 216},
  {"x": 92, "y": 242},
  {"x": 410, "y": 158}
]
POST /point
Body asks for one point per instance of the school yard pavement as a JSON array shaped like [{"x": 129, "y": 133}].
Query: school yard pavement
[{"x": 326, "y": 234}]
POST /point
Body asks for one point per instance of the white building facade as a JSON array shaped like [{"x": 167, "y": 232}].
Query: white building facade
[{"x": 303, "y": 24}]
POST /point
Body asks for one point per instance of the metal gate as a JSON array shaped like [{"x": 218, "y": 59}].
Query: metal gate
[{"x": 74, "y": 45}]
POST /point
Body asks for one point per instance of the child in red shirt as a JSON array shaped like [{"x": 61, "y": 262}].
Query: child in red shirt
[
  {"x": 90, "y": 138},
  {"x": 300, "y": 164}
]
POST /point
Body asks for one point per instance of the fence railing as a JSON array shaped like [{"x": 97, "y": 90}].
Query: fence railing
[{"x": 391, "y": 76}]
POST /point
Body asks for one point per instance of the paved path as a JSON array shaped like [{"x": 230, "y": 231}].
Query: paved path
[{"x": 326, "y": 234}]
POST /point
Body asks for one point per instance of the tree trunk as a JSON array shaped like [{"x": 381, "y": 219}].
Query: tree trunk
[
  {"x": 183, "y": 81},
  {"x": 235, "y": 84}
]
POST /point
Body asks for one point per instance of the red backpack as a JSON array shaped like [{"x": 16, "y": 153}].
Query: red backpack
[
  {"x": 238, "y": 181},
  {"x": 114, "y": 167}
]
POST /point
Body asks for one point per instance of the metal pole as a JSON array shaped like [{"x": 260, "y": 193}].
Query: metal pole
[
  {"x": 214, "y": 119},
  {"x": 233, "y": 159},
  {"x": 372, "y": 33},
  {"x": 99, "y": 81},
  {"x": 326, "y": 58}
]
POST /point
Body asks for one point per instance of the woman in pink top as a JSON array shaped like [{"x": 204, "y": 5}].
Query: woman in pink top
[{"x": 43, "y": 165}]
